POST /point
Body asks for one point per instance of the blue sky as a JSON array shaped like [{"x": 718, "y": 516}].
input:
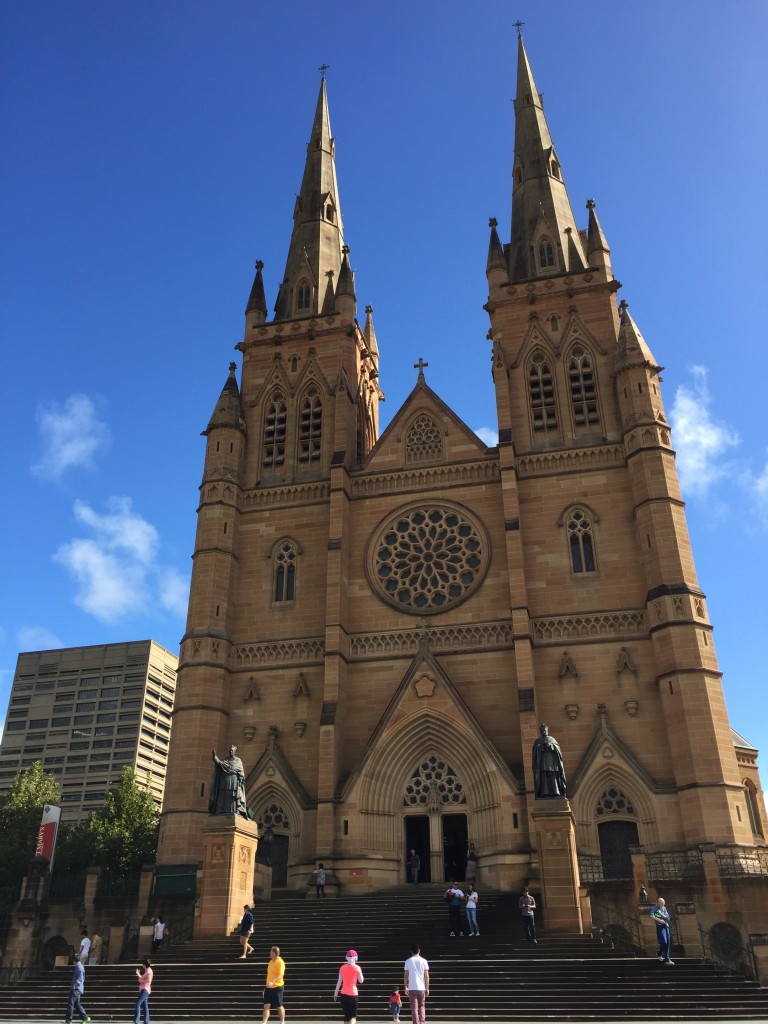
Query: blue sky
[{"x": 152, "y": 153}]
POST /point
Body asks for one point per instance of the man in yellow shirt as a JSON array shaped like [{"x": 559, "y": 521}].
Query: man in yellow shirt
[{"x": 273, "y": 992}]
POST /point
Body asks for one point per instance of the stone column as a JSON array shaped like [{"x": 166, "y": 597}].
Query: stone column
[
  {"x": 558, "y": 866},
  {"x": 229, "y": 857}
]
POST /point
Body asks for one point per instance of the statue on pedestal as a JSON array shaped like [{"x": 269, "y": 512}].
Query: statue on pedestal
[
  {"x": 228, "y": 786},
  {"x": 548, "y": 769}
]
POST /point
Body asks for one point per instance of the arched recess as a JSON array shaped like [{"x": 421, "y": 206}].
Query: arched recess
[
  {"x": 590, "y": 792},
  {"x": 378, "y": 790},
  {"x": 264, "y": 795}
]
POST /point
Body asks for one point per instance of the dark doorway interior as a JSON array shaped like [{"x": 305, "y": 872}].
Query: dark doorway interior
[
  {"x": 417, "y": 838},
  {"x": 454, "y": 846},
  {"x": 616, "y": 837},
  {"x": 274, "y": 852}
]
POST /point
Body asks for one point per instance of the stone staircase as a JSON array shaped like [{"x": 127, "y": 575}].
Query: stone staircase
[{"x": 494, "y": 977}]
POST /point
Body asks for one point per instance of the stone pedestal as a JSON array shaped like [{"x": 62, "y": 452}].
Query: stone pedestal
[
  {"x": 558, "y": 866},
  {"x": 229, "y": 857}
]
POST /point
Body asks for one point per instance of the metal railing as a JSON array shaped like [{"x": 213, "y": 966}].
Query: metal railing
[
  {"x": 722, "y": 945},
  {"x": 179, "y": 929},
  {"x": 617, "y": 928},
  {"x": 591, "y": 867},
  {"x": 67, "y": 885},
  {"x": 675, "y": 866},
  {"x": 11, "y": 974},
  {"x": 738, "y": 861}
]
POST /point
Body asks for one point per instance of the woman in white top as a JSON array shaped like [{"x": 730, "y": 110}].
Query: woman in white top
[{"x": 471, "y": 909}]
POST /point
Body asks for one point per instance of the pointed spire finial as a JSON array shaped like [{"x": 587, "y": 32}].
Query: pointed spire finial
[
  {"x": 232, "y": 369},
  {"x": 322, "y": 69},
  {"x": 492, "y": 222},
  {"x": 420, "y": 367},
  {"x": 519, "y": 25},
  {"x": 624, "y": 308}
]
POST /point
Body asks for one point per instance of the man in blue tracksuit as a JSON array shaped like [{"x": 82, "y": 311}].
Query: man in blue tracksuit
[{"x": 660, "y": 916}]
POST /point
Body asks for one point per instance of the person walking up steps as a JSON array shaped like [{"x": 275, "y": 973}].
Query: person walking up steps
[
  {"x": 145, "y": 975},
  {"x": 395, "y": 1004},
  {"x": 350, "y": 976},
  {"x": 416, "y": 982},
  {"x": 275, "y": 987},
  {"x": 319, "y": 874},
  {"x": 76, "y": 989},
  {"x": 246, "y": 930}
]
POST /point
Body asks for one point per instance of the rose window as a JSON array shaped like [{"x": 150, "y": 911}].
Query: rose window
[
  {"x": 428, "y": 558},
  {"x": 434, "y": 781}
]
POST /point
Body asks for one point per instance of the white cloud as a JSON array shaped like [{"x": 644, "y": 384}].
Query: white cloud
[
  {"x": 112, "y": 567},
  {"x": 488, "y": 436},
  {"x": 174, "y": 591},
  {"x": 700, "y": 442},
  {"x": 37, "y": 638},
  {"x": 71, "y": 435}
]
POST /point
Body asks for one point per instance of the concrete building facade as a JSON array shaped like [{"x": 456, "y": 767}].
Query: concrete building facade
[
  {"x": 380, "y": 623},
  {"x": 86, "y": 713}
]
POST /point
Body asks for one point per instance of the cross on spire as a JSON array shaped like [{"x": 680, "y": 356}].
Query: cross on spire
[
  {"x": 322, "y": 69},
  {"x": 420, "y": 367},
  {"x": 518, "y": 25}
]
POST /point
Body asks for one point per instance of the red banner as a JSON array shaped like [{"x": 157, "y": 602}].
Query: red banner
[{"x": 46, "y": 836}]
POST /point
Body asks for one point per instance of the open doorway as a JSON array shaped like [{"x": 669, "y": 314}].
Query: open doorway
[
  {"x": 417, "y": 838},
  {"x": 454, "y": 846}
]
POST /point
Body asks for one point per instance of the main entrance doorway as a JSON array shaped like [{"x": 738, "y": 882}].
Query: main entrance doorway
[
  {"x": 454, "y": 828},
  {"x": 417, "y": 838}
]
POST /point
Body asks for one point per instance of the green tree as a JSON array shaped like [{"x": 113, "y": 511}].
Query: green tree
[
  {"x": 123, "y": 833},
  {"x": 20, "y": 812}
]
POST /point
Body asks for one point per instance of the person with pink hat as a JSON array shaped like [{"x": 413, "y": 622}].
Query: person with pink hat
[{"x": 350, "y": 976}]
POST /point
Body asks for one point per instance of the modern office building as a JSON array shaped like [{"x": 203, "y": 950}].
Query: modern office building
[{"x": 86, "y": 713}]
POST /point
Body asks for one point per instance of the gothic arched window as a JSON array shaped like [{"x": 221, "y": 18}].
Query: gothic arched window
[
  {"x": 303, "y": 295},
  {"x": 310, "y": 425},
  {"x": 581, "y": 542},
  {"x": 581, "y": 379},
  {"x": 546, "y": 253},
  {"x": 541, "y": 391},
  {"x": 285, "y": 558},
  {"x": 274, "y": 430}
]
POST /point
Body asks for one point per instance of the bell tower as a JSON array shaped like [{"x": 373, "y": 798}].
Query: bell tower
[{"x": 588, "y": 473}]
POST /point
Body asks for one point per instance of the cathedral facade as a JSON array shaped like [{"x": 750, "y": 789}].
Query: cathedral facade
[{"x": 382, "y": 622}]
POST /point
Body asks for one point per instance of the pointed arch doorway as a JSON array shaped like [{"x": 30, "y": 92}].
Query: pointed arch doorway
[{"x": 441, "y": 842}]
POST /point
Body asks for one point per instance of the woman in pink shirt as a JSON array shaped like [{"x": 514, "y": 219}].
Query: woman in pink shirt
[
  {"x": 145, "y": 975},
  {"x": 350, "y": 976}
]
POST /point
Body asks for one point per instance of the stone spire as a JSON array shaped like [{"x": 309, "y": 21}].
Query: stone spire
[
  {"x": 229, "y": 408},
  {"x": 598, "y": 253},
  {"x": 318, "y": 232},
  {"x": 632, "y": 349},
  {"x": 542, "y": 218},
  {"x": 256, "y": 309}
]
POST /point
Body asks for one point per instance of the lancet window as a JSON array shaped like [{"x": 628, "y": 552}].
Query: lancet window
[
  {"x": 303, "y": 295},
  {"x": 274, "y": 430},
  {"x": 581, "y": 379},
  {"x": 581, "y": 542},
  {"x": 546, "y": 253},
  {"x": 310, "y": 426},
  {"x": 541, "y": 390},
  {"x": 285, "y": 559}
]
